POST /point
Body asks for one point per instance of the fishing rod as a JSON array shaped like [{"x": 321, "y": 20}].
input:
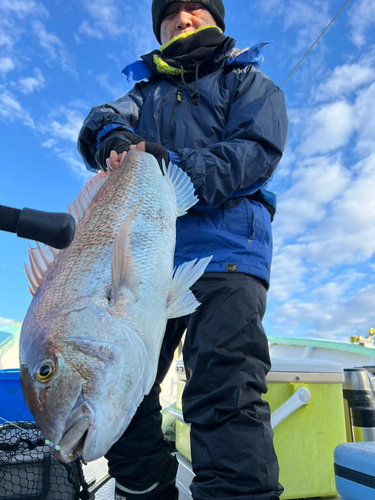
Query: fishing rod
[
  {"x": 53, "y": 229},
  {"x": 313, "y": 45}
]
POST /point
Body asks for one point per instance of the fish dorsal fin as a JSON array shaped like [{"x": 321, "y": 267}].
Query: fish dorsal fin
[
  {"x": 123, "y": 268},
  {"x": 181, "y": 300},
  {"x": 85, "y": 197},
  {"x": 41, "y": 258},
  {"x": 183, "y": 187}
]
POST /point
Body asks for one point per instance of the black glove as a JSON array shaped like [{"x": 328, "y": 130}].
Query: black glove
[
  {"x": 118, "y": 140},
  {"x": 159, "y": 152}
]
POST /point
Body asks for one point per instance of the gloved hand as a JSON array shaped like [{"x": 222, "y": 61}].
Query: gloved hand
[
  {"x": 118, "y": 140},
  {"x": 159, "y": 152}
]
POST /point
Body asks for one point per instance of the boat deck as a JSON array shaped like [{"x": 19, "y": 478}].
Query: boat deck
[{"x": 98, "y": 469}]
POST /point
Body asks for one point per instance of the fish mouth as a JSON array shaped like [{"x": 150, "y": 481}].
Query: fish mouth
[{"x": 76, "y": 442}]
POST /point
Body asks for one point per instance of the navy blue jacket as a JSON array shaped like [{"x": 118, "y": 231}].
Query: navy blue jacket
[{"x": 230, "y": 145}]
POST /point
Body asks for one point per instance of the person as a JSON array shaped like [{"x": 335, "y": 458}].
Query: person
[{"x": 203, "y": 104}]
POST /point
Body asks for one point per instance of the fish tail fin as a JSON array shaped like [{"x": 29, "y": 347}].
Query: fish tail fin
[
  {"x": 183, "y": 187},
  {"x": 181, "y": 300}
]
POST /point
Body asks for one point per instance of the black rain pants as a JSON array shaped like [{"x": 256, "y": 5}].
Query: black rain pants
[{"x": 226, "y": 359}]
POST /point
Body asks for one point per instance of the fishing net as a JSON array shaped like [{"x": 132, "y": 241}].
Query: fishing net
[{"x": 28, "y": 470}]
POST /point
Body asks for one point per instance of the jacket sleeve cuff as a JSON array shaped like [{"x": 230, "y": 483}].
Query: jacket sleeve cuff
[
  {"x": 174, "y": 158},
  {"x": 108, "y": 128}
]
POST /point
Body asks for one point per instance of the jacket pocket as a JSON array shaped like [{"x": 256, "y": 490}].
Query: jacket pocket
[{"x": 253, "y": 219}]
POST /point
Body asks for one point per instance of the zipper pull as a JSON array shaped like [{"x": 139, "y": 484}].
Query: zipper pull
[{"x": 179, "y": 94}]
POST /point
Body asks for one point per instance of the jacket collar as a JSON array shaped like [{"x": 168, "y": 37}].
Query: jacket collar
[{"x": 228, "y": 55}]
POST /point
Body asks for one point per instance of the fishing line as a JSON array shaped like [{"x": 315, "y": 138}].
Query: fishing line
[
  {"x": 319, "y": 37},
  {"x": 12, "y": 423},
  {"x": 46, "y": 441}
]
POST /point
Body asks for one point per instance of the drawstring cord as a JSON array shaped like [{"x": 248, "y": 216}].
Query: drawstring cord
[{"x": 196, "y": 95}]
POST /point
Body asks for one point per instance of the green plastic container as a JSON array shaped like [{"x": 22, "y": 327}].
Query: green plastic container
[{"x": 305, "y": 441}]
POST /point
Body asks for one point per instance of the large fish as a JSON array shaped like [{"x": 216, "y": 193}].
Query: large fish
[{"x": 91, "y": 338}]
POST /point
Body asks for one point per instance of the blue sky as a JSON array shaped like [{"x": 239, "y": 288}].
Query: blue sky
[{"x": 60, "y": 58}]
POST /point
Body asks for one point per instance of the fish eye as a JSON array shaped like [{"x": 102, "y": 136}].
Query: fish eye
[{"x": 44, "y": 372}]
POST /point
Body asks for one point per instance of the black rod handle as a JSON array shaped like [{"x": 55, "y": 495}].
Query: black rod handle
[
  {"x": 9, "y": 218},
  {"x": 53, "y": 229}
]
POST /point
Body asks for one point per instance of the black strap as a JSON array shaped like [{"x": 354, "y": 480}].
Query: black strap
[
  {"x": 259, "y": 198},
  {"x": 355, "y": 477},
  {"x": 196, "y": 95}
]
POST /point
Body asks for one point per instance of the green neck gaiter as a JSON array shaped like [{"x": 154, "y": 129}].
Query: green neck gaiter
[{"x": 186, "y": 51}]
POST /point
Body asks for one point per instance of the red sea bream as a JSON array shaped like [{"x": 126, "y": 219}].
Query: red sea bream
[{"x": 91, "y": 338}]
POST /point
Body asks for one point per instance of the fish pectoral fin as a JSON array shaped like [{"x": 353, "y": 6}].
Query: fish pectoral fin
[
  {"x": 181, "y": 300},
  {"x": 183, "y": 187},
  {"x": 123, "y": 267}
]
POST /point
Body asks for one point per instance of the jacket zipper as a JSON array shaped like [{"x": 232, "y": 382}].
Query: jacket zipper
[{"x": 171, "y": 132}]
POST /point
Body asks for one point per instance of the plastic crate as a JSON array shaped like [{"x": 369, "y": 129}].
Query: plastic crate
[{"x": 12, "y": 403}]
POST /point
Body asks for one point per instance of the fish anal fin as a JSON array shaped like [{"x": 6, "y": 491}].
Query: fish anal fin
[
  {"x": 123, "y": 267},
  {"x": 181, "y": 300}
]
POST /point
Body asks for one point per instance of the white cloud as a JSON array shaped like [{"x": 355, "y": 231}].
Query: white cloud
[
  {"x": 12, "y": 267},
  {"x": 364, "y": 112},
  {"x": 22, "y": 8},
  {"x": 5, "y": 321},
  {"x": 118, "y": 18},
  {"x": 62, "y": 127},
  {"x": 329, "y": 128},
  {"x": 50, "y": 143},
  {"x": 344, "y": 80},
  {"x": 30, "y": 84},
  {"x": 288, "y": 272},
  {"x": 296, "y": 13},
  {"x": 310, "y": 14},
  {"x": 79, "y": 104},
  {"x": 64, "y": 124},
  {"x": 5, "y": 39},
  {"x": 306, "y": 19},
  {"x": 50, "y": 42},
  {"x": 75, "y": 163},
  {"x": 315, "y": 183},
  {"x": 11, "y": 109},
  {"x": 13, "y": 17},
  {"x": 106, "y": 17},
  {"x": 54, "y": 47},
  {"x": 71, "y": 158},
  {"x": 362, "y": 19},
  {"x": 333, "y": 314},
  {"x": 347, "y": 235},
  {"x": 86, "y": 29},
  {"x": 115, "y": 91},
  {"x": 326, "y": 220},
  {"x": 6, "y": 65},
  {"x": 324, "y": 230}
]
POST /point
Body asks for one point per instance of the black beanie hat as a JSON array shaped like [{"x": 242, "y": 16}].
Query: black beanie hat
[{"x": 215, "y": 7}]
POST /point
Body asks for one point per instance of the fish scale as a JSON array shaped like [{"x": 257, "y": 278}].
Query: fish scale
[{"x": 90, "y": 341}]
